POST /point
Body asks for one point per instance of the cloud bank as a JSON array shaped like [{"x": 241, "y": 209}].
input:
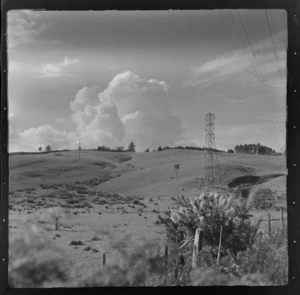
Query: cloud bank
[
  {"x": 258, "y": 64},
  {"x": 46, "y": 70},
  {"x": 31, "y": 139},
  {"x": 23, "y": 26},
  {"x": 57, "y": 69},
  {"x": 131, "y": 108}
]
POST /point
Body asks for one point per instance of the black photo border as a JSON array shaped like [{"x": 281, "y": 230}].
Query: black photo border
[{"x": 292, "y": 8}]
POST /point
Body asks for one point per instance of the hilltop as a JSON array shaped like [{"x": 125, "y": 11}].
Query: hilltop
[{"x": 143, "y": 174}]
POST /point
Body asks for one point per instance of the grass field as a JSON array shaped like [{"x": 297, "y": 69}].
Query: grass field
[{"x": 122, "y": 192}]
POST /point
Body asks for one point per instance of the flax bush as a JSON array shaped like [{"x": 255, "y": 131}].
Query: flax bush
[{"x": 209, "y": 212}]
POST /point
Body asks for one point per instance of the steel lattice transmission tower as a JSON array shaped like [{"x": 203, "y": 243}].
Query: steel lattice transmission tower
[{"x": 210, "y": 175}]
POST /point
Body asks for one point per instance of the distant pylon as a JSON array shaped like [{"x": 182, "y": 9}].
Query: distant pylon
[
  {"x": 79, "y": 148},
  {"x": 210, "y": 175}
]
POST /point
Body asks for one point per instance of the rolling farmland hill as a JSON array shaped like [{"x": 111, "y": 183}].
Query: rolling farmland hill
[
  {"x": 122, "y": 192},
  {"x": 136, "y": 173}
]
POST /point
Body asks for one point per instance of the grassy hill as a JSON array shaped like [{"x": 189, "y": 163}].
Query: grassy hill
[
  {"x": 122, "y": 192},
  {"x": 141, "y": 174}
]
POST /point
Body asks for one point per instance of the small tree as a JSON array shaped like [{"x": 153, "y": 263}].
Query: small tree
[
  {"x": 131, "y": 147},
  {"x": 102, "y": 148},
  {"x": 48, "y": 148},
  {"x": 230, "y": 151},
  {"x": 56, "y": 215},
  {"x": 147, "y": 150},
  {"x": 40, "y": 149},
  {"x": 159, "y": 149}
]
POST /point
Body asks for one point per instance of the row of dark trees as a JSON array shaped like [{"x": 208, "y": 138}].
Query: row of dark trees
[
  {"x": 159, "y": 149},
  {"x": 131, "y": 148},
  {"x": 240, "y": 149},
  {"x": 255, "y": 149}
]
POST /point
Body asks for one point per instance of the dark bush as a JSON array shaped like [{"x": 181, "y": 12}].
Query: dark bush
[
  {"x": 209, "y": 212},
  {"x": 76, "y": 243}
]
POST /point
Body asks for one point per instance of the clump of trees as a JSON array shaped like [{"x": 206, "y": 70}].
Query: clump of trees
[
  {"x": 186, "y": 148},
  {"x": 255, "y": 149},
  {"x": 131, "y": 148}
]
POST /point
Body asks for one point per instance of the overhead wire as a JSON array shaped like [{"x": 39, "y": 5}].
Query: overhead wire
[
  {"x": 271, "y": 79},
  {"x": 277, "y": 90},
  {"x": 273, "y": 42},
  {"x": 241, "y": 45},
  {"x": 281, "y": 77},
  {"x": 264, "y": 62},
  {"x": 234, "y": 28},
  {"x": 251, "y": 58},
  {"x": 269, "y": 90}
]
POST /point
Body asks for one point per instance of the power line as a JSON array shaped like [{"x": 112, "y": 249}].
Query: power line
[
  {"x": 260, "y": 45},
  {"x": 270, "y": 91},
  {"x": 249, "y": 55}
]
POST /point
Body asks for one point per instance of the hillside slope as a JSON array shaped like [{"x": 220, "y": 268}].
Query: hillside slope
[{"x": 144, "y": 174}]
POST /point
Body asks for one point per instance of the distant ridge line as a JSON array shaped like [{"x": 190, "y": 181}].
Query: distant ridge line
[{"x": 34, "y": 153}]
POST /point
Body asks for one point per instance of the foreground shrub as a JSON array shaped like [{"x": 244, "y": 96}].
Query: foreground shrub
[
  {"x": 268, "y": 256},
  {"x": 209, "y": 212},
  {"x": 138, "y": 264},
  {"x": 35, "y": 262}
]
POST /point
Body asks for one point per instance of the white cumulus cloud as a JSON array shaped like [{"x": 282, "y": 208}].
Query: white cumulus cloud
[
  {"x": 32, "y": 138},
  {"x": 131, "y": 108}
]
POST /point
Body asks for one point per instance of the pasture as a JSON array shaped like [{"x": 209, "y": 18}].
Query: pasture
[{"x": 123, "y": 193}]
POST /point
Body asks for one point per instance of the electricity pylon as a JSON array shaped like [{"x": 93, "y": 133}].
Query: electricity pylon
[
  {"x": 210, "y": 175},
  {"x": 79, "y": 147}
]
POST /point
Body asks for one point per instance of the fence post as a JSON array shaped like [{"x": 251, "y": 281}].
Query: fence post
[
  {"x": 166, "y": 257},
  {"x": 220, "y": 243},
  {"x": 281, "y": 217},
  {"x": 104, "y": 259},
  {"x": 166, "y": 252},
  {"x": 196, "y": 248},
  {"x": 269, "y": 225},
  {"x": 201, "y": 239}
]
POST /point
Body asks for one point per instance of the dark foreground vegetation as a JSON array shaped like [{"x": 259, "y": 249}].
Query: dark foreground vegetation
[{"x": 231, "y": 250}]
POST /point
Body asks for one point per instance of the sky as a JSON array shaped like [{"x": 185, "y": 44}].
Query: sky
[{"x": 112, "y": 77}]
